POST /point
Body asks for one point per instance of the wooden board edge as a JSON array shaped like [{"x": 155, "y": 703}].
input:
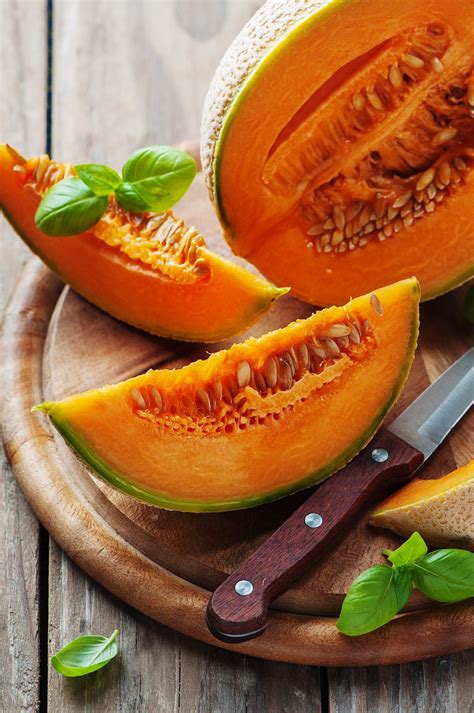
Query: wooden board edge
[{"x": 98, "y": 549}]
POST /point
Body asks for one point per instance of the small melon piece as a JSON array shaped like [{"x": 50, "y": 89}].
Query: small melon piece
[
  {"x": 149, "y": 270},
  {"x": 250, "y": 424},
  {"x": 441, "y": 510},
  {"x": 338, "y": 144}
]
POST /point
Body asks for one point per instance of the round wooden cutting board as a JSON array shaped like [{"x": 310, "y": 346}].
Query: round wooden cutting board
[{"x": 166, "y": 563}]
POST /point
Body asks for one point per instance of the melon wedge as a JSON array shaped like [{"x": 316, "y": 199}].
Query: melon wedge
[
  {"x": 258, "y": 421},
  {"x": 338, "y": 144},
  {"x": 149, "y": 270},
  {"x": 441, "y": 510}
]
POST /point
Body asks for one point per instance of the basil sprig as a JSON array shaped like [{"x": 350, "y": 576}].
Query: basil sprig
[
  {"x": 153, "y": 179},
  {"x": 382, "y": 591},
  {"x": 85, "y": 654}
]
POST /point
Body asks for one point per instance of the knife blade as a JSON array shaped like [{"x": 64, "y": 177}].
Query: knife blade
[
  {"x": 238, "y": 609},
  {"x": 429, "y": 419}
]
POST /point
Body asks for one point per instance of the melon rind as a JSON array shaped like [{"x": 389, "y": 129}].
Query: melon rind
[
  {"x": 244, "y": 60},
  {"x": 97, "y": 463}
]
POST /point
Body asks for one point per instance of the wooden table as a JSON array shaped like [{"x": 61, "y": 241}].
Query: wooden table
[{"x": 93, "y": 80}]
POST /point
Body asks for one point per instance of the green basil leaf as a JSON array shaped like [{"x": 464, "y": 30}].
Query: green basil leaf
[
  {"x": 130, "y": 198},
  {"x": 411, "y": 550},
  {"x": 446, "y": 575},
  {"x": 469, "y": 305},
  {"x": 102, "y": 180},
  {"x": 162, "y": 175},
  {"x": 85, "y": 654},
  {"x": 374, "y": 598},
  {"x": 68, "y": 208}
]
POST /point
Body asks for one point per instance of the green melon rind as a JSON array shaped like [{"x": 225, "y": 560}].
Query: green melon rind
[
  {"x": 275, "y": 25},
  {"x": 268, "y": 294},
  {"x": 113, "y": 477}
]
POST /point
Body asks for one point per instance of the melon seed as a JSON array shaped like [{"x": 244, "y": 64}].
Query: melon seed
[
  {"x": 354, "y": 336},
  {"x": 330, "y": 346},
  {"x": 338, "y": 217},
  {"x": 218, "y": 390},
  {"x": 374, "y": 100},
  {"x": 402, "y": 200},
  {"x": 203, "y": 398},
  {"x": 444, "y": 136},
  {"x": 271, "y": 371},
  {"x": 244, "y": 374},
  {"x": 156, "y": 396},
  {"x": 338, "y": 330},
  {"x": 285, "y": 376},
  {"x": 445, "y": 172},
  {"x": 425, "y": 179},
  {"x": 376, "y": 304},
  {"x": 337, "y": 237},
  {"x": 260, "y": 383},
  {"x": 395, "y": 77},
  {"x": 437, "y": 65},
  {"x": 317, "y": 350},
  {"x": 303, "y": 356},
  {"x": 459, "y": 163},
  {"x": 358, "y": 101},
  {"x": 138, "y": 399},
  {"x": 413, "y": 61}
]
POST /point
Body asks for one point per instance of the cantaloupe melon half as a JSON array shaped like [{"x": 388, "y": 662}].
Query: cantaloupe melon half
[
  {"x": 253, "y": 423},
  {"x": 338, "y": 144},
  {"x": 441, "y": 510}
]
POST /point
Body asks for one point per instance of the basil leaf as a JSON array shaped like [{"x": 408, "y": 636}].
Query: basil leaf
[
  {"x": 374, "y": 598},
  {"x": 413, "y": 549},
  {"x": 85, "y": 654},
  {"x": 130, "y": 198},
  {"x": 101, "y": 179},
  {"x": 68, "y": 208},
  {"x": 446, "y": 575},
  {"x": 161, "y": 174}
]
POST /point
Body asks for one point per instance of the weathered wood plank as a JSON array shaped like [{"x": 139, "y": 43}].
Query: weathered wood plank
[
  {"x": 441, "y": 685},
  {"x": 144, "y": 83},
  {"x": 223, "y": 682},
  {"x": 22, "y": 124}
]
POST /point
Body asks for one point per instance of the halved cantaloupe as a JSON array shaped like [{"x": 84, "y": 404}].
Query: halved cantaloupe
[
  {"x": 338, "y": 144},
  {"x": 441, "y": 510},
  {"x": 149, "y": 270},
  {"x": 253, "y": 423}
]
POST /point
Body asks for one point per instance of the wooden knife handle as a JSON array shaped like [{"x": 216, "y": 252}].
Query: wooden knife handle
[{"x": 307, "y": 535}]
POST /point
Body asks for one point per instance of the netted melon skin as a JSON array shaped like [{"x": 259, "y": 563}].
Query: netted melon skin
[{"x": 267, "y": 28}]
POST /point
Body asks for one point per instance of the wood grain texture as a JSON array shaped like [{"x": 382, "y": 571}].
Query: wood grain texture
[
  {"x": 161, "y": 55},
  {"x": 162, "y": 78},
  {"x": 99, "y": 538},
  {"x": 23, "y": 124}
]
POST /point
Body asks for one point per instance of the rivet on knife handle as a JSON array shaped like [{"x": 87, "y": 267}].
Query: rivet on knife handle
[{"x": 238, "y": 608}]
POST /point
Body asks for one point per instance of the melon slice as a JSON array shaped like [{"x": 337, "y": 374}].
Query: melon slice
[
  {"x": 250, "y": 424},
  {"x": 338, "y": 144},
  {"x": 149, "y": 270},
  {"x": 441, "y": 510}
]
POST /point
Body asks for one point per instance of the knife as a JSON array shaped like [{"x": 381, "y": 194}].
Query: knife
[{"x": 238, "y": 608}]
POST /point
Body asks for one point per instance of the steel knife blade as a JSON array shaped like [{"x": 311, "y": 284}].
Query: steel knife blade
[{"x": 428, "y": 420}]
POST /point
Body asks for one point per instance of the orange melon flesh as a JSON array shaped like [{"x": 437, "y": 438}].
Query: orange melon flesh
[
  {"x": 302, "y": 67},
  {"x": 441, "y": 510},
  {"x": 220, "y": 305},
  {"x": 284, "y": 441}
]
